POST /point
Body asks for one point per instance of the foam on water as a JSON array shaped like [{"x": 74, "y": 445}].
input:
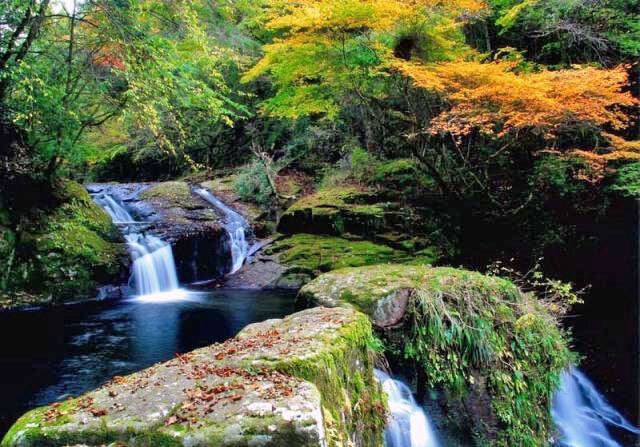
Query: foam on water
[
  {"x": 582, "y": 414},
  {"x": 153, "y": 269}
]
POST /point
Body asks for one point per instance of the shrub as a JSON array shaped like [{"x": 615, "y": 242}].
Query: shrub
[{"x": 252, "y": 185}]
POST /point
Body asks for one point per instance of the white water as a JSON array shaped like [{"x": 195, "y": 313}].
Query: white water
[
  {"x": 117, "y": 212},
  {"x": 154, "y": 269},
  {"x": 235, "y": 225},
  {"x": 408, "y": 425},
  {"x": 582, "y": 414}
]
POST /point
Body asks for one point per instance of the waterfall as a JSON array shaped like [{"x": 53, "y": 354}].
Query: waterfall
[
  {"x": 582, "y": 414},
  {"x": 154, "y": 269},
  {"x": 408, "y": 425},
  {"x": 235, "y": 226}
]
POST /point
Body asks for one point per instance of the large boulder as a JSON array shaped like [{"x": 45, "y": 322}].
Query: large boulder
[
  {"x": 305, "y": 380},
  {"x": 349, "y": 226},
  {"x": 305, "y": 256},
  {"x": 336, "y": 211},
  {"x": 487, "y": 354},
  {"x": 61, "y": 252}
]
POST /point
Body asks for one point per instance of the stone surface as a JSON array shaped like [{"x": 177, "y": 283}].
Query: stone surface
[
  {"x": 183, "y": 219},
  {"x": 305, "y": 380},
  {"x": 62, "y": 253}
]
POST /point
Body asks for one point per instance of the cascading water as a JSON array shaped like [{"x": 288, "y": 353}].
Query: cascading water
[
  {"x": 582, "y": 414},
  {"x": 235, "y": 225},
  {"x": 154, "y": 269},
  {"x": 408, "y": 425},
  {"x": 119, "y": 215}
]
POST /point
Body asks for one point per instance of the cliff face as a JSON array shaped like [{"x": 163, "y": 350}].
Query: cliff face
[
  {"x": 60, "y": 252},
  {"x": 305, "y": 380}
]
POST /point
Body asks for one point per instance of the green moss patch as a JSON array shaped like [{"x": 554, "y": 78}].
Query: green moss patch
[
  {"x": 316, "y": 254},
  {"x": 402, "y": 177},
  {"x": 64, "y": 253},
  {"x": 336, "y": 211},
  {"x": 496, "y": 352}
]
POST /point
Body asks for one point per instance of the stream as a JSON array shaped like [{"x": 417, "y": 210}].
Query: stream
[{"x": 73, "y": 349}]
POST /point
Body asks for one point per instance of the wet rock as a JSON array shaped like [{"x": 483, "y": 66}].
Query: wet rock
[
  {"x": 181, "y": 218},
  {"x": 305, "y": 380},
  {"x": 63, "y": 253}
]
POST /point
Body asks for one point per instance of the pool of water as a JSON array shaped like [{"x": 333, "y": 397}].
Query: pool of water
[{"x": 48, "y": 355}]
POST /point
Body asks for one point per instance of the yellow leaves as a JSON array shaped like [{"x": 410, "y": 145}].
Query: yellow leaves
[
  {"x": 492, "y": 98},
  {"x": 320, "y": 16},
  {"x": 622, "y": 145}
]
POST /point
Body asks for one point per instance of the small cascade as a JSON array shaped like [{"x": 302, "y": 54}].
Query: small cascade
[
  {"x": 582, "y": 414},
  {"x": 154, "y": 269},
  {"x": 235, "y": 225},
  {"x": 119, "y": 215},
  {"x": 408, "y": 425}
]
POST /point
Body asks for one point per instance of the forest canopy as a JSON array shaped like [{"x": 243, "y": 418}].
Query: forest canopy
[{"x": 482, "y": 96}]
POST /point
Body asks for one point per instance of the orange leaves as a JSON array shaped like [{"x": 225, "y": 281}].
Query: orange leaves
[{"x": 492, "y": 98}]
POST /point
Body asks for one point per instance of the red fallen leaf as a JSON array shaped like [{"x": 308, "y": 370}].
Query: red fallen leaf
[
  {"x": 171, "y": 420},
  {"x": 236, "y": 397},
  {"x": 98, "y": 412}
]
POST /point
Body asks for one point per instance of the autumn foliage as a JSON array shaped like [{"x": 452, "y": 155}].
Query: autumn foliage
[{"x": 495, "y": 100}]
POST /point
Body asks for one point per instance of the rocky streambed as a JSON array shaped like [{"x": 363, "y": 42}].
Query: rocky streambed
[{"x": 467, "y": 340}]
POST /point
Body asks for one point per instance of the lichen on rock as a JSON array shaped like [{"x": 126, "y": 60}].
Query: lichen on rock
[
  {"x": 493, "y": 353},
  {"x": 305, "y": 380}
]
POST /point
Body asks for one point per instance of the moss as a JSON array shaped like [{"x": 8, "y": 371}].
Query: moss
[
  {"x": 403, "y": 176},
  {"x": 172, "y": 194},
  {"x": 312, "y": 370},
  {"x": 65, "y": 252},
  {"x": 335, "y": 211},
  {"x": 336, "y": 197},
  {"x": 352, "y": 406},
  {"x": 313, "y": 254},
  {"x": 467, "y": 334}
]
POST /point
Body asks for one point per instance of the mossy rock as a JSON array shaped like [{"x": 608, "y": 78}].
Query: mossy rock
[
  {"x": 315, "y": 254},
  {"x": 495, "y": 353},
  {"x": 171, "y": 195},
  {"x": 401, "y": 178},
  {"x": 306, "y": 380},
  {"x": 66, "y": 252},
  {"x": 335, "y": 211}
]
